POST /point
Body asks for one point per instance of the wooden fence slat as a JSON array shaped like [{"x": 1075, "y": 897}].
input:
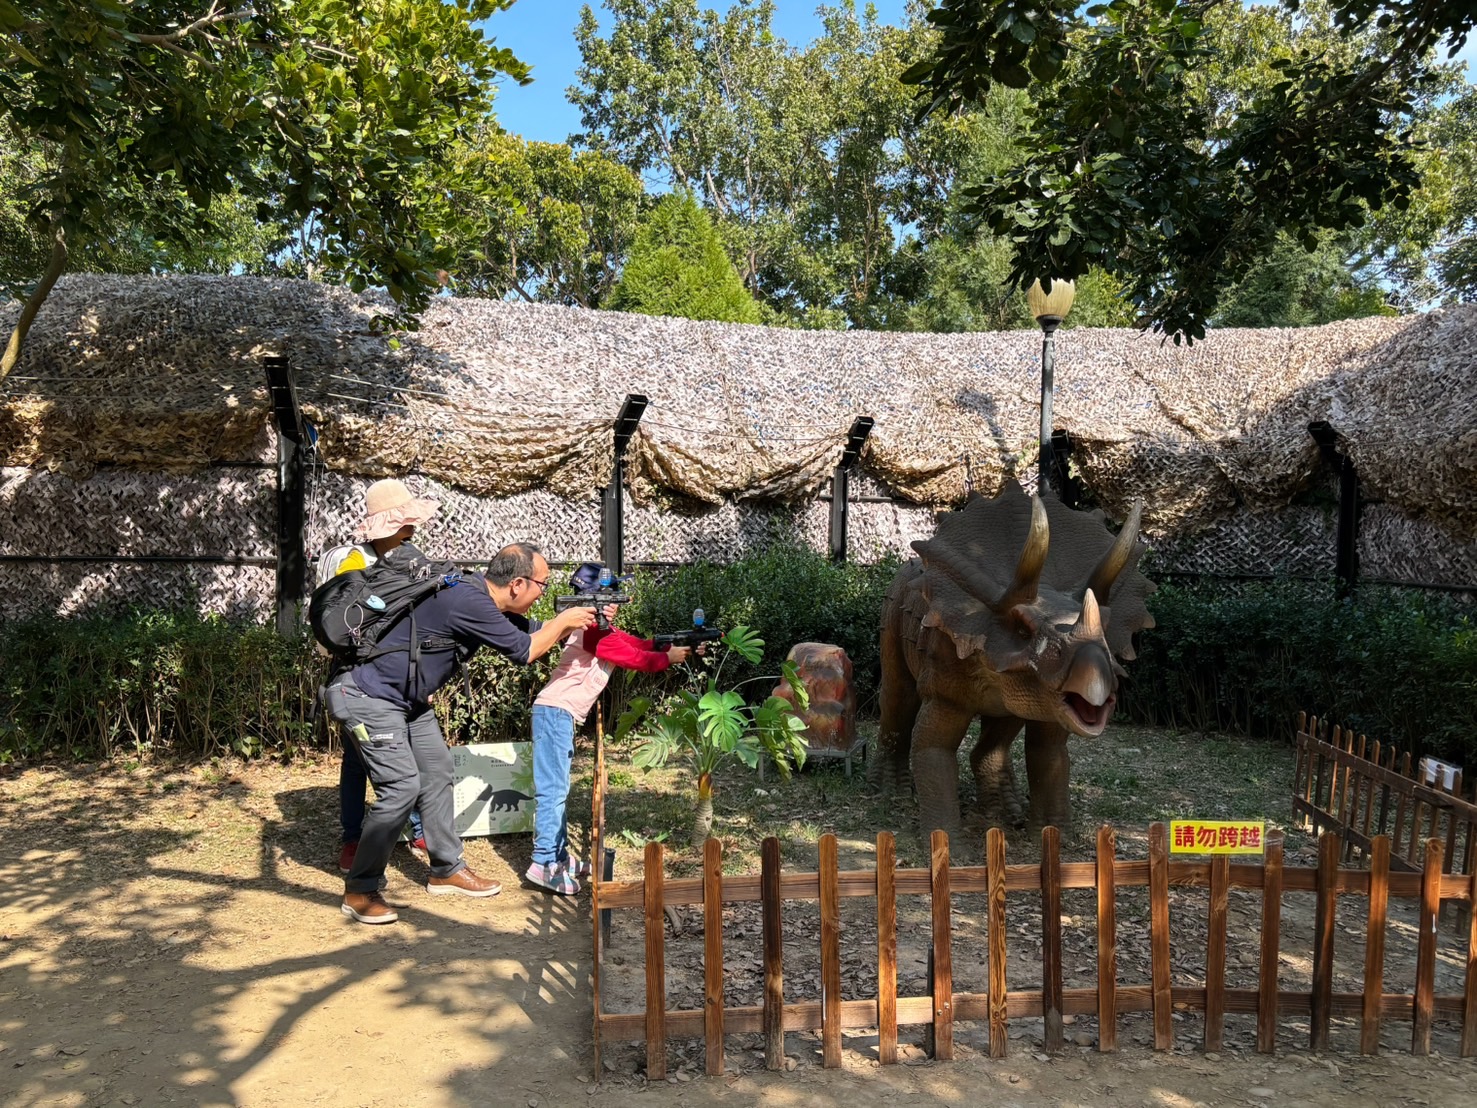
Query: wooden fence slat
[
  {"x": 1374, "y": 946},
  {"x": 830, "y": 955},
  {"x": 1266, "y": 1004},
  {"x": 943, "y": 959},
  {"x": 1051, "y": 936},
  {"x": 713, "y": 955},
  {"x": 1159, "y": 935},
  {"x": 886, "y": 949},
  {"x": 656, "y": 975},
  {"x": 1335, "y": 791},
  {"x": 1326, "y": 894},
  {"x": 998, "y": 988},
  {"x": 774, "y": 972},
  {"x": 1469, "y": 1002},
  {"x": 1369, "y": 782},
  {"x": 1425, "y": 958},
  {"x": 1400, "y": 807},
  {"x": 1107, "y": 942},
  {"x": 1215, "y": 953}
]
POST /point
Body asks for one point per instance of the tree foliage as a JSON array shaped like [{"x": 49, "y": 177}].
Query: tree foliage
[
  {"x": 540, "y": 221},
  {"x": 678, "y": 267},
  {"x": 1174, "y": 184},
  {"x": 148, "y": 112}
]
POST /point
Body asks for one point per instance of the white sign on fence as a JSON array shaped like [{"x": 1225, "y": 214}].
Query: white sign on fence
[
  {"x": 493, "y": 790},
  {"x": 1436, "y": 772}
]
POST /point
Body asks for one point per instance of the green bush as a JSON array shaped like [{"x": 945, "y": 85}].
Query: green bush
[
  {"x": 152, "y": 681},
  {"x": 1397, "y": 664},
  {"x": 784, "y": 595}
]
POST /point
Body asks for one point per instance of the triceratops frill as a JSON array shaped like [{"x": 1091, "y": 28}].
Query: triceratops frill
[{"x": 1018, "y": 612}]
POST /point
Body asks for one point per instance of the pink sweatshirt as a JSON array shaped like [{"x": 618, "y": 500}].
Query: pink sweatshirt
[{"x": 586, "y": 664}]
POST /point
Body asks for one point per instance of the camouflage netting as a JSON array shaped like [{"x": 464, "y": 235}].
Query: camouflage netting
[{"x": 506, "y": 410}]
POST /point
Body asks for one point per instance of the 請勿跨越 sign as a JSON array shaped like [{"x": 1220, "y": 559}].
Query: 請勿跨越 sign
[{"x": 1217, "y": 836}]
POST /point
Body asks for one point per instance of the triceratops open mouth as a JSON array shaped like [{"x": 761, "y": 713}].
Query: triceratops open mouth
[{"x": 1092, "y": 717}]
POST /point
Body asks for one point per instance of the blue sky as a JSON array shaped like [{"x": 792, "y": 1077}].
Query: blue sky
[{"x": 541, "y": 33}]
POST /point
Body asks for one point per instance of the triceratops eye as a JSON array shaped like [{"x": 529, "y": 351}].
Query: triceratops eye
[{"x": 1022, "y": 624}]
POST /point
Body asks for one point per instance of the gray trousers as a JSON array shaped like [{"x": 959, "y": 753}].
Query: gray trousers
[{"x": 410, "y": 765}]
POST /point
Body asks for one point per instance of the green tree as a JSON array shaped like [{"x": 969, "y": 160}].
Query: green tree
[
  {"x": 1295, "y": 287},
  {"x": 1177, "y": 185},
  {"x": 146, "y": 113},
  {"x": 678, "y": 267},
  {"x": 540, "y": 220}
]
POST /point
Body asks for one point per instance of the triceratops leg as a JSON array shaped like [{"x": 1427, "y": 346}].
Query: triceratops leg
[
  {"x": 936, "y": 737},
  {"x": 887, "y": 761},
  {"x": 994, "y": 775},
  {"x": 1048, "y": 772}
]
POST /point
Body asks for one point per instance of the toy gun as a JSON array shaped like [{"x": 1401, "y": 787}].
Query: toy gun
[
  {"x": 698, "y": 634},
  {"x": 604, "y": 593}
]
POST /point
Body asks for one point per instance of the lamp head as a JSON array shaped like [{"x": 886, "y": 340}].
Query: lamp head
[{"x": 1050, "y": 308}]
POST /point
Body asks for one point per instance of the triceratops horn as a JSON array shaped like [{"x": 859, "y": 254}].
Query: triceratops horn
[
  {"x": 1101, "y": 579},
  {"x": 1023, "y": 589},
  {"x": 1090, "y": 622}
]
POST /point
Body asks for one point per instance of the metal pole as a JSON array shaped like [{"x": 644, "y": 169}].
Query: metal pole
[
  {"x": 1048, "y": 370},
  {"x": 612, "y": 499},
  {"x": 292, "y": 472},
  {"x": 840, "y": 485}
]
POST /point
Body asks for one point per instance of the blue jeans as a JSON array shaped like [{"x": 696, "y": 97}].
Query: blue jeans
[
  {"x": 352, "y": 780},
  {"x": 553, "y": 749}
]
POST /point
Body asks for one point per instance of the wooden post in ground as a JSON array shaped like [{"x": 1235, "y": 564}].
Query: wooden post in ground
[
  {"x": 830, "y": 897},
  {"x": 943, "y": 961},
  {"x": 1326, "y": 893},
  {"x": 995, "y": 883},
  {"x": 1107, "y": 942},
  {"x": 1051, "y": 936},
  {"x": 1266, "y": 1001},
  {"x": 1215, "y": 952},
  {"x": 774, "y": 973},
  {"x": 1159, "y": 936},
  {"x": 886, "y": 948},
  {"x": 656, "y": 976},
  {"x": 1374, "y": 945},
  {"x": 713, "y": 955},
  {"x": 1425, "y": 958}
]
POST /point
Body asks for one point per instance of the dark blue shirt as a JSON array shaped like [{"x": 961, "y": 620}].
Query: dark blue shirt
[{"x": 463, "y": 613}]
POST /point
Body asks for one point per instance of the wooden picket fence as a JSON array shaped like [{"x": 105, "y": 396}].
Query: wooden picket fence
[
  {"x": 943, "y": 1008},
  {"x": 1360, "y": 790}
]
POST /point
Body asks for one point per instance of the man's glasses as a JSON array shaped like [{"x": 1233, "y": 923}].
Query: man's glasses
[{"x": 542, "y": 585}]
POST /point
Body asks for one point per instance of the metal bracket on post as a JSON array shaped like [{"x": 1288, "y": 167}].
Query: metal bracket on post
[
  {"x": 1346, "y": 542},
  {"x": 292, "y": 482},
  {"x": 856, "y": 438},
  {"x": 612, "y": 535},
  {"x": 1067, "y": 488}
]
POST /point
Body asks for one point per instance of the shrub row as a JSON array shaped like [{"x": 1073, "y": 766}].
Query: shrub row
[
  {"x": 1400, "y": 665},
  {"x": 1397, "y": 664}
]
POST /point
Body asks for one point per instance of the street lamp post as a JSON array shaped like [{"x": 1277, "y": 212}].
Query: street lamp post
[{"x": 1049, "y": 308}]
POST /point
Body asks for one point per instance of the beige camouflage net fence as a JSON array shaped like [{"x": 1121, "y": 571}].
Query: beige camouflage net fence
[{"x": 506, "y": 410}]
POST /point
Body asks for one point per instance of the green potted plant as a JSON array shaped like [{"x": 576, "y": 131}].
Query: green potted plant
[{"x": 706, "y": 723}]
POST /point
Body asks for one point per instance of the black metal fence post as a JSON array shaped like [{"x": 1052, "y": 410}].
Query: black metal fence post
[
  {"x": 612, "y": 500},
  {"x": 292, "y": 493},
  {"x": 1346, "y": 541},
  {"x": 856, "y": 438}
]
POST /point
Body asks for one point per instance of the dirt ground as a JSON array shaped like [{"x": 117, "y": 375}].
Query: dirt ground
[{"x": 172, "y": 936}]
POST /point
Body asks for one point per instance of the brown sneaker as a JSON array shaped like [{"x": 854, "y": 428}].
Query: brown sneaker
[
  {"x": 463, "y": 881},
  {"x": 368, "y": 908}
]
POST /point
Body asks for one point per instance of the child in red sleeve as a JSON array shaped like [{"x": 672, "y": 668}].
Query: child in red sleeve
[{"x": 577, "y": 682}]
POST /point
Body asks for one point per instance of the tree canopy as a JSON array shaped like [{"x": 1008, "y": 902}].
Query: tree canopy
[
  {"x": 1176, "y": 184},
  {"x": 678, "y": 267},
  {"x": 147, "y": 113}
]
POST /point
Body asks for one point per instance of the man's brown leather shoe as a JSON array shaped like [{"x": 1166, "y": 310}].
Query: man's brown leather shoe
[
  {"x": 368, "y": 908},
  {"x": 463, "y": 881}
]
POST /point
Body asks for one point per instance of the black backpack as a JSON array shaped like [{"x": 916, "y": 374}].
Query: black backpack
[{"x": 352, "y": 612}]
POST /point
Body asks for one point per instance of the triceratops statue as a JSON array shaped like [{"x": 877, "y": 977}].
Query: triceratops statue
[{"x": 1017, "y": 612}]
